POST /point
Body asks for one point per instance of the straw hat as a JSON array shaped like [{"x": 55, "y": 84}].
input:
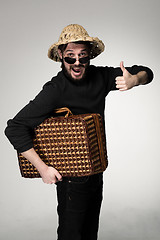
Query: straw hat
[{"x": 75, "y": 33}]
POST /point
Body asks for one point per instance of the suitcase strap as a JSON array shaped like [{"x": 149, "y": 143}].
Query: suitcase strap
[{"x": 64, "y": 109}]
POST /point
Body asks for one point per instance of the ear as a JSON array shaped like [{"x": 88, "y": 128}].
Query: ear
[{"x": 60, "y": 53}]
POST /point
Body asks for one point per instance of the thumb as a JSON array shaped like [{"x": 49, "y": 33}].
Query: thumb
[{"x": 122, "y": 66}]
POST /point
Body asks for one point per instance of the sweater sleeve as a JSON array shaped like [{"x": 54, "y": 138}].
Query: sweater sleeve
[
  {"x": 111, "y": 73},
  {"x": 19, "y": 130}
]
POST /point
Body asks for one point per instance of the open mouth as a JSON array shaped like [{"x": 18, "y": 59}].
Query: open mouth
[{"x": 77, "y": 71}]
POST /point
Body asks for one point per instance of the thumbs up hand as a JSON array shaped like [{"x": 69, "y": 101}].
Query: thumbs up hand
[{"x": 127, "y": 81}]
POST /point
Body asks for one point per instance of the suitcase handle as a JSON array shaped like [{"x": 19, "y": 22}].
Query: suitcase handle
[{"x": 64, "y": 109}]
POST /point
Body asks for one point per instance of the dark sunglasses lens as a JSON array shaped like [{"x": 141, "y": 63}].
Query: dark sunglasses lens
[
  {"x": 73, "y": 60},
  {"x": 84, "y": 60},
  {"x": 69, "y": 60}
]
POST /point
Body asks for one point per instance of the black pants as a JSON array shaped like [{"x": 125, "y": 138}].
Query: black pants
[{"x": 79, "y": 203}]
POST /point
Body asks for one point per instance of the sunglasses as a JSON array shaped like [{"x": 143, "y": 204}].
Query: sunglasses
[{"x": 70, "y": 60}]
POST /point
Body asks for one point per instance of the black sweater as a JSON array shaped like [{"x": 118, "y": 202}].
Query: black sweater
[{"x": 87, "y": 96}]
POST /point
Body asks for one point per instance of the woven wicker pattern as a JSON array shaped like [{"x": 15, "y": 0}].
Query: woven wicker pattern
[
  {"x": 74, "y": 145},
  {"x": 74, "y": 33}
]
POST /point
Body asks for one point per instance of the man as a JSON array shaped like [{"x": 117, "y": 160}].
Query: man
[{"x": 82, "y": 88}]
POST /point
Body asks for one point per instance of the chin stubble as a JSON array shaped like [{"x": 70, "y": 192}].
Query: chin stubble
[{"x": 68, "y": 75}]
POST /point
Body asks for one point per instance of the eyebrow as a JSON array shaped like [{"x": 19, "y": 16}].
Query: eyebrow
[{"x": 70, "y": 50}]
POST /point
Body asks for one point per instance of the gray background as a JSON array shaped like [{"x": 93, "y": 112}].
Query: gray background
[{"x": 130, "y": 31}]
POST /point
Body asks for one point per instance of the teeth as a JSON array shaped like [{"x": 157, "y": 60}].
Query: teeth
[{"x": 76, "y": 70}]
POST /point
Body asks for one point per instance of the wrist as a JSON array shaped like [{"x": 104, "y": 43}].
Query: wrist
[
  {"x": 141, "y": 78},
  {"x": 42, "y": 168},
  {"x": 136, "y": 80}
]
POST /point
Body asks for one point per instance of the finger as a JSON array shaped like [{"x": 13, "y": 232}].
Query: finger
[
  {"x": 53, "y": 180},
  {"x": 119, "y": 78},
  {"x": 121, "y": 82},
  {"x": 120, "y": 86},
  {"x": 123, "y": 89},
  {"x": 122, "y": 66},
  {"x": 58, "y": 176}
]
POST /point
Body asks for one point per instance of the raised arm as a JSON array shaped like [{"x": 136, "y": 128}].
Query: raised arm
[{"x": 128, "y": 81}]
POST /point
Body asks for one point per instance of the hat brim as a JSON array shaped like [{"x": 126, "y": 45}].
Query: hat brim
[{"x": 97, "y": 47}]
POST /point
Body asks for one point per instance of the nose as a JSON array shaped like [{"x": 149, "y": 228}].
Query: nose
[{"x": 77, "y": 61}]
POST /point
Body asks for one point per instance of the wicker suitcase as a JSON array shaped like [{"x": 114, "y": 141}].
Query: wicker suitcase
[{"x": 73, "y": 144}]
